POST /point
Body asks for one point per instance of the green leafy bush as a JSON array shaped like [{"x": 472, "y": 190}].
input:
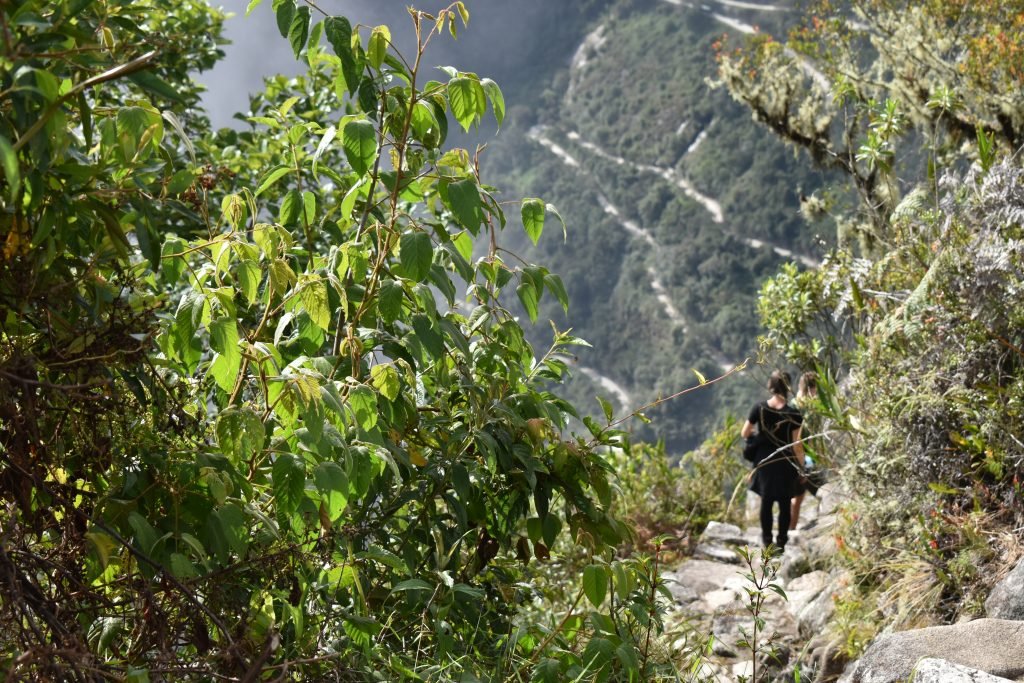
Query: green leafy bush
[{"x": 251, "y": 424}]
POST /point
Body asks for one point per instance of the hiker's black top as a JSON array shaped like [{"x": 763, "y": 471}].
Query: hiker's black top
[{"x": 777, "y": 476}]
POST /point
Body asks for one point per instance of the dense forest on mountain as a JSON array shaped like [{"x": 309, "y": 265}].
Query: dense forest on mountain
[
  {"x": 282, "y": 402},
  {"x": 677, "y": 202}
]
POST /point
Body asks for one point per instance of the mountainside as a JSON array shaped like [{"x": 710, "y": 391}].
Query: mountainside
[{"x": 677, "y": 206}]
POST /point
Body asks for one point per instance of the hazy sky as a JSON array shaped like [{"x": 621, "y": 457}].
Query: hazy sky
[{"x": 498, "y": 39}]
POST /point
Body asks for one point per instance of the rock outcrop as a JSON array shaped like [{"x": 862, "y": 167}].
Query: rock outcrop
[
  {"x": 711, "y": 591},
  {"x": 1007, "y": 599},
  {"x": 931, "y": 670},
  {"x": 993, "y": 646}
]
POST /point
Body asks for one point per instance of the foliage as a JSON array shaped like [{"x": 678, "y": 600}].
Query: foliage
[
  {"x": 615, "y": 628},
  {"x": 886, "y": 92},
  {"x": 662, "y": 494},
  {"x": 761, "y": 577},
  {"x": 638, "y": 121},
  {"x": 249, "y": 424},
  {"x": 939, "y": 379},
  {"x": 915, "y": 103}
]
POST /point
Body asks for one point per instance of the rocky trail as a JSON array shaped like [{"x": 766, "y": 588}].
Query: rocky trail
[
  {"x": 711, "y": 592},
  {"x": 710, "y": 589}
]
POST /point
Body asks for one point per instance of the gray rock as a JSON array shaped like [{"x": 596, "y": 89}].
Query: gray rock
[
  {"x": 931, "y": 670},
  {"x": 802, "y": 590},
  {"x": 995, "y": 646},
  {"x": 696, "y": 577},
  {"x": 727, "y": 629},
  {"x": 830, "y": 497},
  {"x": 827, "y": 658},
  {"x": 1006, "y": 601},
  {"x": 815, "y": 615},
  {"x": 725, "y": 533},
  {"x": 718, "y": 553},
  {"x": 820, "y": 546}
]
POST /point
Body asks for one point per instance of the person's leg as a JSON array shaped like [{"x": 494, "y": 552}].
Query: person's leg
[
  {"x": 795, "y": 511},
  {"x": 784, "y": 509},
  {"x": 766, "y": 519}
]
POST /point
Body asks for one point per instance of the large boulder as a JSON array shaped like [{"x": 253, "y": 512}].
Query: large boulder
[
  {"x": 930, "y": 670},
  {"x": 994, "y": 646},
  {"x": 1006, "y": 601}
]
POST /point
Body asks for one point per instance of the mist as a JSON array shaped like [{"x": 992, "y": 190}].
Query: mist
[{"x": 502, "y": 39}]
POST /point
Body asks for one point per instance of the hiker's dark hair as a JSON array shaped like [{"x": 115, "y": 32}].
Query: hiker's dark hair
[{"x": 779, "y": 383}]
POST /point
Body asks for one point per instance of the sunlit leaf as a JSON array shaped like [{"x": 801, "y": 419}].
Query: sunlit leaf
[
  {"x": 533, "y": 218},
  {"x": 416, "y": 254},
  {"x": 359, "y": 139},
  {"x": 240, "y": 433}
]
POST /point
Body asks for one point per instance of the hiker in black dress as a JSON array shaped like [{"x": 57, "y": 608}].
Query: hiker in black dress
[{"x": 776, "y": 477}]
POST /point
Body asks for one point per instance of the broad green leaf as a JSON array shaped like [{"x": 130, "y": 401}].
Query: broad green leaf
[
  {"x": 464, "y": 243},
  {"x": 428, "y": 335},
  {"x": 103, "y": 546},
  {"x": 380, "y": 37},
  {"x": 289, "y": 477},
  {"x": 359, "y": 139},
  {"x": 497, "y": 99},
  {"x": 385, "y": 379},
  {"x": 412, "y": 585},
  {"x": 467, "y": 100},
  {"x": 271, "y": 177},
  {"x": 290, "y": 208},
  {"x": 533, "y": 218},
  {"x": 136, "y": 675},
  {"x": 361, "y": 629},
  {"x": 308, "y": 208},
  {"x": 464, "y": 199},
  {"x": 240, "y": 434},
  {"x": 389, "y": 300},
  {"x": 548, "y": 670},
  {"x": 182, "y": 567},
  {"x": 181, "y": 181},
  {"x": 550, "y": 528},
  {"x": 10, "y": 168},
  {"x": 363, "y": 403},
  {"x": 332, "y": 483},
  {"x": 416, "y": 254},
  {"x": 147, "y": 80},
  {"x": 145, "y": 534},
  {"x": 284, "y": 11},
  {"x": 555, "y": 286},
  {"x": 132, "y": 123},
  {"x": 595, "y": 583},
  {"x": 253, "y": 4},
  {"x": 248, "y": 275},
  {"x": 606, "y": 408},
  {"x": 313, "y": 294},
  {"x": 339, "y": 34},
  {"x": 528, "y": 296},
  {"x": 224, "y": 340},
  {"x": 423, "y": 121}
]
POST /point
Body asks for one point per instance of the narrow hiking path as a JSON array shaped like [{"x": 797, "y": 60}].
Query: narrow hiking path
[{"x": 710, "y": 591}]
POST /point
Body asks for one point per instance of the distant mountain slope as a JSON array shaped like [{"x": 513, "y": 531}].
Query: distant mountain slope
[{"x": 678, "y": 205}]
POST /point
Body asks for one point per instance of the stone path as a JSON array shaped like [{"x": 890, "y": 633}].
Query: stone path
[{"x": 711, "y": 591}]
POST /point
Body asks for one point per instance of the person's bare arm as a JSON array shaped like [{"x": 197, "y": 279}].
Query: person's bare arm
[
  {"x": 798, "y": 445},
  {"x": 748, "y": 429}
]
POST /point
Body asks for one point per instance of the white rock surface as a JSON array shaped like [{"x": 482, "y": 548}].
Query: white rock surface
[
  {"x": 995, "y": 646},
  {"x": 932, "y": 670}
]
